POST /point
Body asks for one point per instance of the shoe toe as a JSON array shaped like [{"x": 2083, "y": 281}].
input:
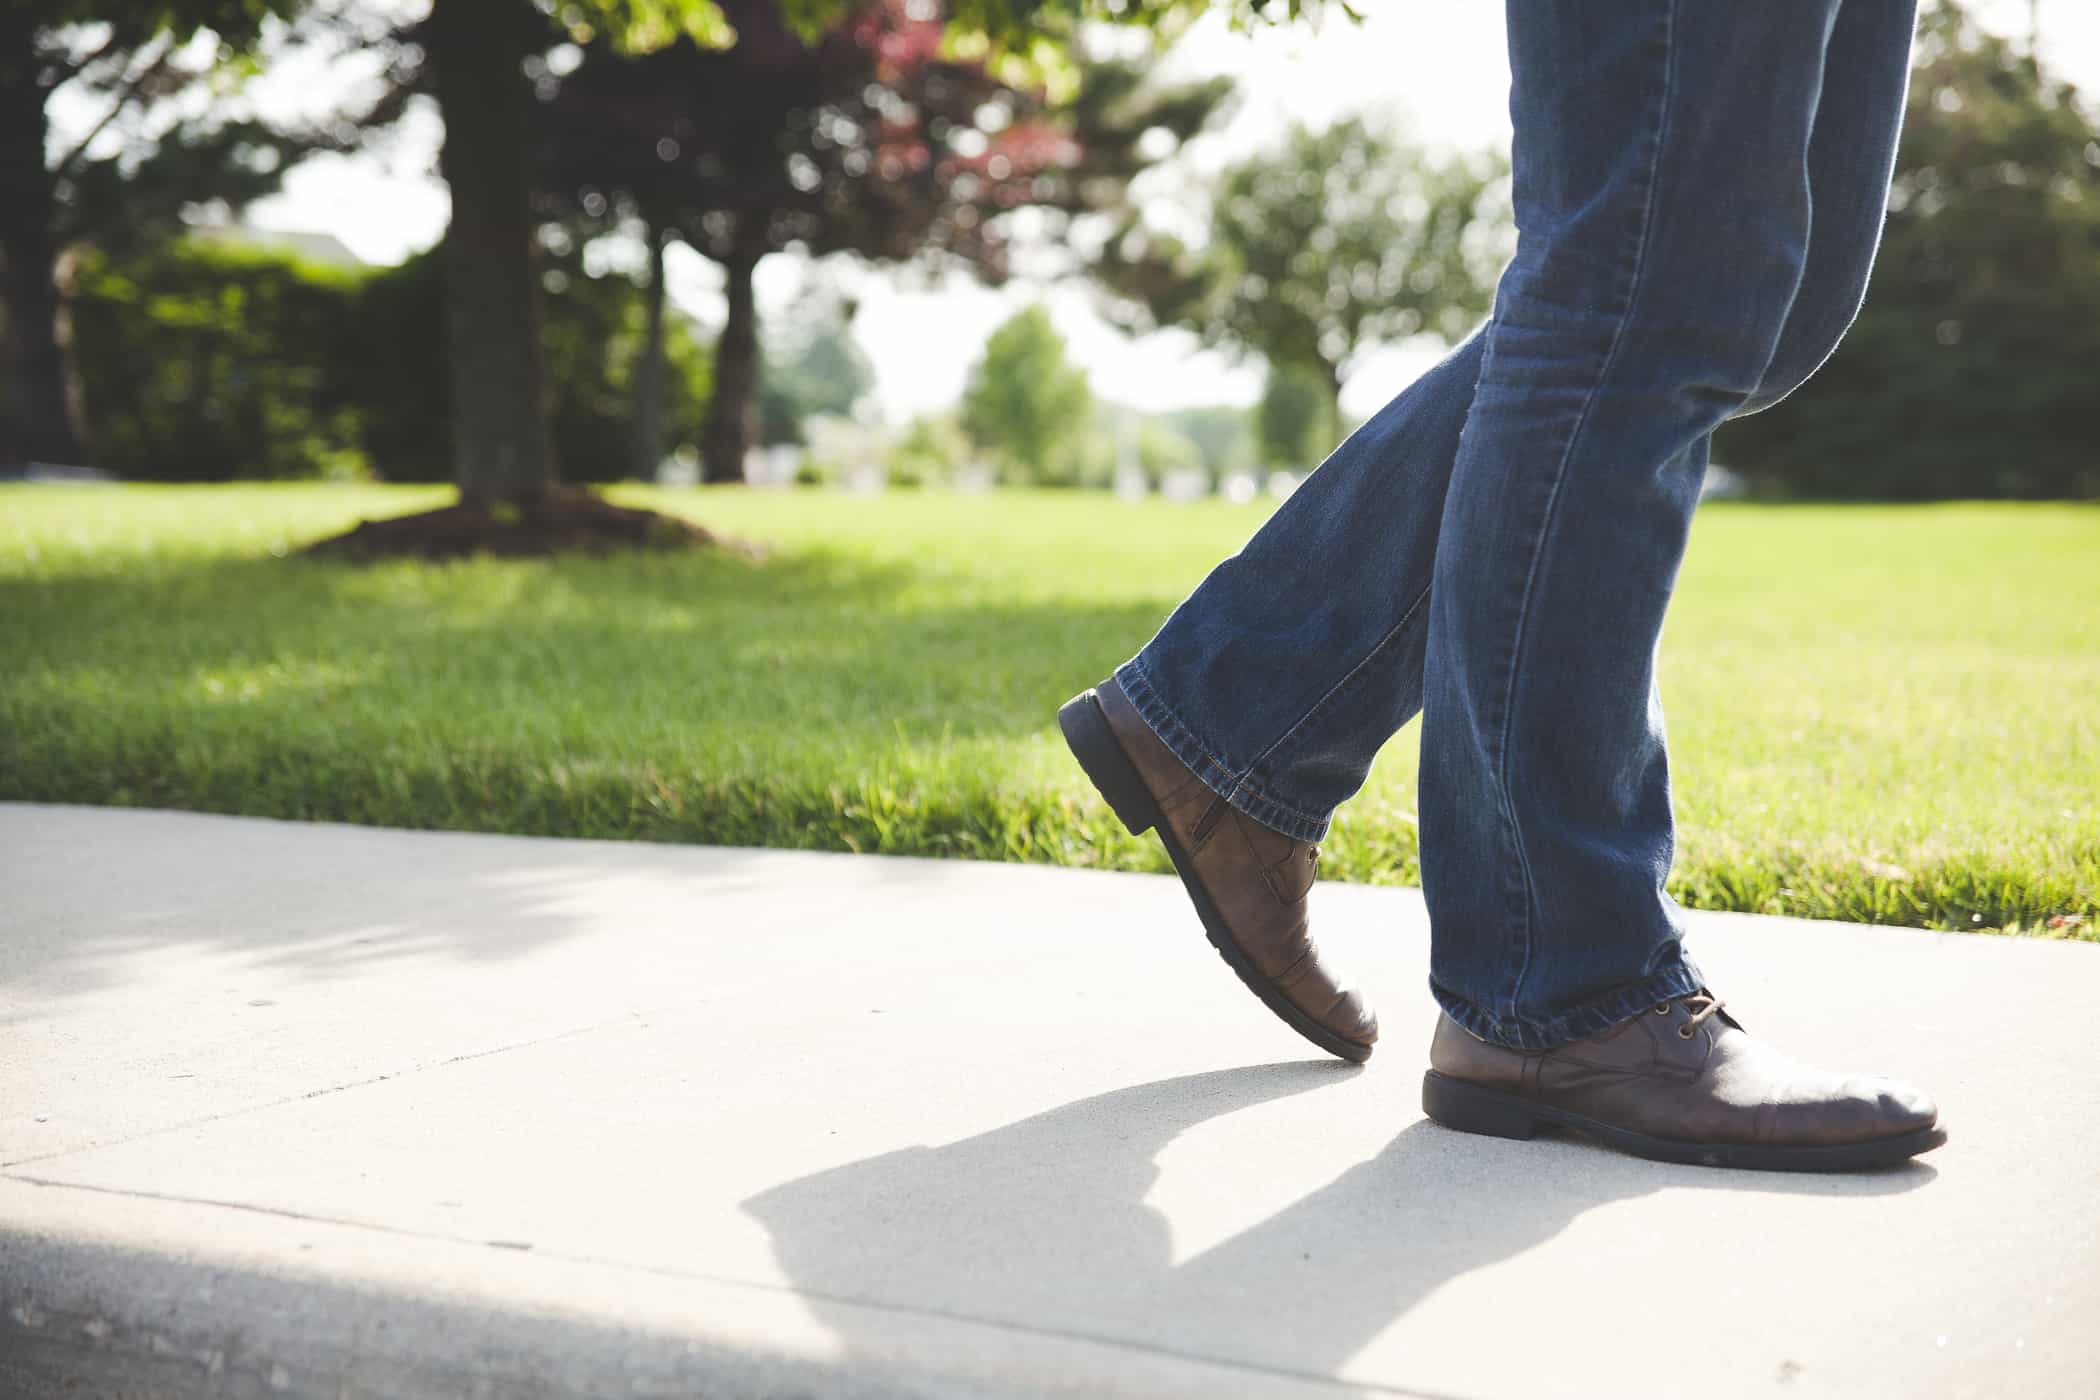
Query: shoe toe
[
  {"x": 1898, "y": 1108},
  {"x": 1353, "y": 1019}
]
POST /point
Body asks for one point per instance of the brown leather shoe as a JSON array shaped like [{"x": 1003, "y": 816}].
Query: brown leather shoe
[
  {"x": 1679, "y": 1083},
  {"x": 1249, "y": 883}
]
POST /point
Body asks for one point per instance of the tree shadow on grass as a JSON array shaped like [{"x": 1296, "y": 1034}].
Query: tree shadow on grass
[{"x": 858, "y": 650}]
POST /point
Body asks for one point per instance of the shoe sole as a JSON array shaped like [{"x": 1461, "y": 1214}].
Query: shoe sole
[
  {"x": 1115, "y": 777},
  {"x": 1471, "y": 1108}
]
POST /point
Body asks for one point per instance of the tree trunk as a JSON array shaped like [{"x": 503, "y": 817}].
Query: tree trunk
[
  {"x": 732, "y": 413},
  {"x": 503, "y": 451},
  {"x": 34, "y": 414},
  {"x": 649, "y": 370}
]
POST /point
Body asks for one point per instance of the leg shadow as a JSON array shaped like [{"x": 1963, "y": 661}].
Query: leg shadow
[{"x": 1043, "y": 1224}]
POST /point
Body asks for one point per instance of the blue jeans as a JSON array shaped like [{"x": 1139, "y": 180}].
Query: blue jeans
[{"x": 1699, "y": 189}]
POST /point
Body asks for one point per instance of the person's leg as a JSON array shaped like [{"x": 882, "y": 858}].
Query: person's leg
[
  {"x": 1282, "y": 675},
  {"x": 1279, "y": 678},
  {"x": 1672, "y": 158},
  {"x": 1851, "y": 158},
  {"x": 1261, "y": 702},
  {"x": 1662, "y": 185}
]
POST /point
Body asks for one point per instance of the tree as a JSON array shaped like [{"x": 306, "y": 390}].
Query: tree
[
  {"x": 122, "y": 57},
  {"x": 1026, "y": 406},
  {"x": 909, "y": 152},
  {"x": 215, "y": 360},
  {"x": 503, "y": 452},
  {"x": 814, "y": 368},
  {"x": 480, "y": 50},
  {"x": 1029, "y": 26},
  {"x": 479, "y": 53},
  {"x": 885, "y": 158},
  {"x": 1222, "y": 434},
  {"x": 1331, "y": 243},
  {"x": 1123, "y": 121},
  {"x": 1162, "y": 452},
  {"x": 1295, "y": 418},
  {"x": 927, "y": 452},
  {"x": 392, "y": 353},
  {"x": 864, "y": 139},
  {"x": 1969, "y": 371}
]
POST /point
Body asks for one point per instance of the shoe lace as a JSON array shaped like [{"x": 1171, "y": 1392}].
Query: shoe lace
[{"x": 1704, "y": 1006}]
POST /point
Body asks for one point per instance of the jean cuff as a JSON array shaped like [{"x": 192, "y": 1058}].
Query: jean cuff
[
  {"x": 1181, "y": 741},
  {"x": 1680, "y": 978}
]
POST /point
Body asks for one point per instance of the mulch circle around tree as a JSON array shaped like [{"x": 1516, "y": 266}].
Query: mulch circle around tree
[{"x": 567, "y": 522}]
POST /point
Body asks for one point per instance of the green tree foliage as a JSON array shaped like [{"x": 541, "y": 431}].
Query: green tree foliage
[
  {"x": 1026, "y": 407},
  {"x": 591, "y": 337},
  {"x": 210, "y": 364},
  {"x": 1162, "y": 451},
  {"x": 1971, "y": 368},
  {"x": 928, "y": 451},
  {"x": 813, "y": 367},
  {"x": 1223, "y": 434},
  {"x": 482, "y": 55},
  {"x": 1123, "y": 120},
  {"x": 1211, "y": 441},
  {"x": 1294, "y": 422},
  {"x": 479, "y": 58},
  {"x": 1029, "y": 27},
  {"x": 1334, "y": 241},
  {"x": 207, "y": 363},
  {"x": 867, "y": 138},
  {"x": 867, "y": 134},
  {"x": 118, "y": 185},
  {"x": 826, "y": 374},
  {"x": 480, "y": 52}
]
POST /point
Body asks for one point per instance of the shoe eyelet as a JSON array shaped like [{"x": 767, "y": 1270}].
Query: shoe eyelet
[
  {"x": 1685, "y": 1032},
  {"x": 1662, "y": 1008}
]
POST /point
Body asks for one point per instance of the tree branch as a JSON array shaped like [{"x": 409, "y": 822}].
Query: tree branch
[
  {"x": 71, "y": 159},
  {"x": 67, "y": 69}
]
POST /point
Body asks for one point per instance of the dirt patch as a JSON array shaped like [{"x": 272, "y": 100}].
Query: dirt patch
[{"x": 568, "y": 522}]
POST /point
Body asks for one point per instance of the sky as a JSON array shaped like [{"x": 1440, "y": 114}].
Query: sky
[{"x": 1438, "y": 68}]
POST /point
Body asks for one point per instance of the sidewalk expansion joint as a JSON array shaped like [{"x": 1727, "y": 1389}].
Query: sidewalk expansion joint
[{"x": 634, "y": 1016}]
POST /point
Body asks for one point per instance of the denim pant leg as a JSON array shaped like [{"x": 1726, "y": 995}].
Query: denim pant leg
[
  {"x": 1287, "y": 669},
  {"x": 1661, "y": 182},
  {"x": 1851, "y": 158},
  {"x": 1282, "y": 675}
]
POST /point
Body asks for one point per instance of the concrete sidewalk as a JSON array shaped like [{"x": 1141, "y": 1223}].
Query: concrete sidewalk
[{"x": 330, "y": 1111}]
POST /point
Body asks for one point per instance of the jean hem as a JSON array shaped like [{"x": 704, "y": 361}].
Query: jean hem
[
  {"x": 1593, "y": 1017},
  {"x": 1240, "y": 794}
]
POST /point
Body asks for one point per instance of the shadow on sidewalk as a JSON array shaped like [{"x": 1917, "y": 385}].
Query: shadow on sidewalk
[
  {"x": 1042, "y": 1224},
  {"x": 328, "y": 904}
]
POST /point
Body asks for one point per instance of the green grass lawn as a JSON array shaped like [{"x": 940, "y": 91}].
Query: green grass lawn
[{"x": 1886, "y": 713}]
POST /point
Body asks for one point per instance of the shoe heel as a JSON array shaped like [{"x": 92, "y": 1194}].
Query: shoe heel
[
  {"x": 1471, "y": 1109},
  {"x": 1094, "y": 744}
]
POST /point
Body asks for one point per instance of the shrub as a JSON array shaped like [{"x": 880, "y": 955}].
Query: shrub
[{"x": 210, "y": 362}]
